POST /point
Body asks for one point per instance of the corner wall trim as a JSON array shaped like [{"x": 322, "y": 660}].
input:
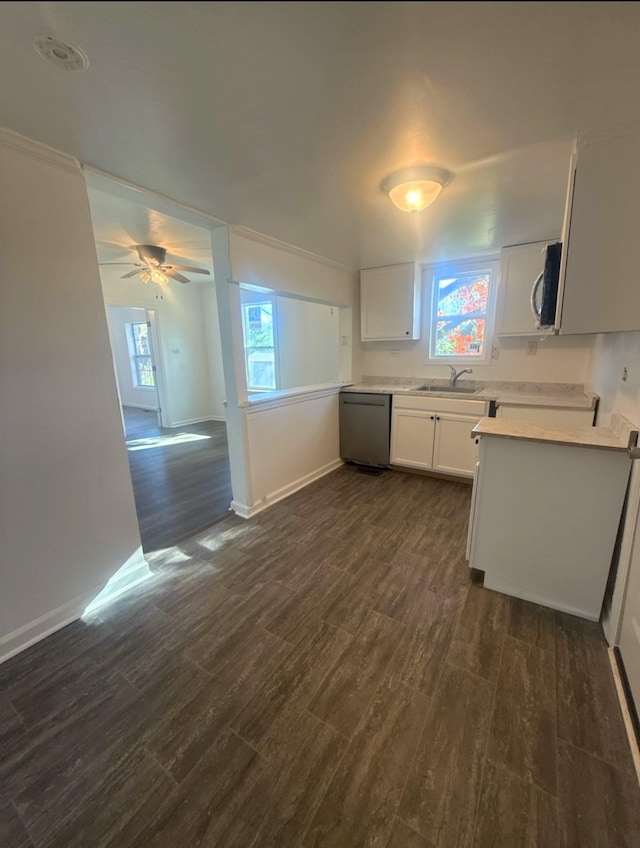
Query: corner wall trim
[
  {"x": 35, "y": 150},
  {"x": 246, "y": 511},
  {"x": 270, "y": 241}
]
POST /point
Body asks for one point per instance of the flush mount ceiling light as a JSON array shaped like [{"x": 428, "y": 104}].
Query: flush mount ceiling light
[
  {"x": 413, "y": 189},
  {"x": 60, "y": 53}
]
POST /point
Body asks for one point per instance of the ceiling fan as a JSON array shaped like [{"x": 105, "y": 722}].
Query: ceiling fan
[{"x": 153, "y": 267}]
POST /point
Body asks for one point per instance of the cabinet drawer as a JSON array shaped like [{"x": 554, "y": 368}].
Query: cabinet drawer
[{"x": 440, "y": 404}]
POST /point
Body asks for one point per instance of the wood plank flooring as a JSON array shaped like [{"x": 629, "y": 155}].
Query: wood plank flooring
[
  {"x": 329, "y": 674},
  {"x": 181, "y": 477}
]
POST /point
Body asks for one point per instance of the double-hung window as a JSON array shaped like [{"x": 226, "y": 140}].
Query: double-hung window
[
  {"x": 461, "y": 310},
  {"x": 259, "y": 344},
  {"x": 141, "y": 361}
]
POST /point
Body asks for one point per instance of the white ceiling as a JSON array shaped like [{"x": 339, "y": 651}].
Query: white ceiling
[{"x": 285, "y": 117}]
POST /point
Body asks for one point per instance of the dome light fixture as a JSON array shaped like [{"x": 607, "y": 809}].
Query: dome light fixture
[{"x": 413, "y": 189}]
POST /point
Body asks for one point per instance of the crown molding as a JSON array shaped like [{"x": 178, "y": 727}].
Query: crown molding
[
  {"x": 11, "y": 140},
  {"x": 132, "y": 192},
  {"x": 270, "y": 241}
]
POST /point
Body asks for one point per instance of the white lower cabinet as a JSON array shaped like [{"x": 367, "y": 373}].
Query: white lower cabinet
[
  {"x": 412, "y": 434},
  {"x": 435, "y": 433}
]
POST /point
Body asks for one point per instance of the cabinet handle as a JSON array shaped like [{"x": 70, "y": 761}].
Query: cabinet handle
[
  {"x": 406, "y": 332},
  {"x": 437, "y": 417},
  {"x": 432, "y": 417}
]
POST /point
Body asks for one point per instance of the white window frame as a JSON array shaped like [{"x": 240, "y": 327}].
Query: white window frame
[
  {"x": 136, "y": 357},
  {"x": 430, "y": 273},
  {"x": 266, "y": 298}
]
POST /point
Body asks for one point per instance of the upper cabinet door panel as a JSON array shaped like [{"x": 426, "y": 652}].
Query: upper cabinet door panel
[
  {"x": 601, "y": 286},
  {"x": 520, "y": 265},
  {"x": 390, "y": 303}
]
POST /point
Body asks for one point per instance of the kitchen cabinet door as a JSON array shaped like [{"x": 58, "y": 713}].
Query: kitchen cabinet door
[
  {"x": 454, "y": 451},
  {"x": 600, "y": 287},
  {"x": 412, "y": 433},
  {"x": 520, "y": 266},
  {"x": 390, "y": 303}
]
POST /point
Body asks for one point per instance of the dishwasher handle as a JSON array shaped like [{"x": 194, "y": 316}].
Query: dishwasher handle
[{"x": 374, "y": 401}]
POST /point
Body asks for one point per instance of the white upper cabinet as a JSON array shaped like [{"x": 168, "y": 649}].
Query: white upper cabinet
[
  {"x": 520, "y": 266},
  {"x": 390, "y": 303},
  {"x": 601, "y": 280}
]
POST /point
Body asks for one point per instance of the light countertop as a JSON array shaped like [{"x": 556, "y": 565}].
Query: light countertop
[
  {"x": 567, "y": 395},
  {"x": 620, "y": 435}
]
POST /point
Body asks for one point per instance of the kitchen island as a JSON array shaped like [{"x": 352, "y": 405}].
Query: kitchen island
[{"x": 545, "y": 510}]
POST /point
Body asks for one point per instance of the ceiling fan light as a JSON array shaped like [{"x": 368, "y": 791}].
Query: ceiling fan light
[
  {"x": 413, "y": 189},
  {"x": 145, "y": 276},
  {"x": 159, "y": 278}
]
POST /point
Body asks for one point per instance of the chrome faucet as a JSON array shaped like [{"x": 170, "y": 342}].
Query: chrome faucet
[{"x": 453, "y": 379}]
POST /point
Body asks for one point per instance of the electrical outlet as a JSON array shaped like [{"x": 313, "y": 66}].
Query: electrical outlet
[
  {"x": 395, "y": 352},
  {"x": 344, "y": 340},
  {"x": 625, "y": 374},
  {"x": 495, "y": 352},
  {"x": 532, "y": 348}
]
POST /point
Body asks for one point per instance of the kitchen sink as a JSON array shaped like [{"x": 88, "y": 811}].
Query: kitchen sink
[{"x": 454, "y": 390}]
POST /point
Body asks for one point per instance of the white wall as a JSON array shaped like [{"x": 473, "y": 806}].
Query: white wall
[
  {"x": 143, "y": 397},
  {"x": 611, "y": 354},
  {"x": 185, "y": 348},
  {"x": 292, "y": 442},
  {"x": 67, "y": 514},
  {"x": 308, "y": 342},
  {"x": 558, "y": 360},
  {"x": 214, "y": 351}
]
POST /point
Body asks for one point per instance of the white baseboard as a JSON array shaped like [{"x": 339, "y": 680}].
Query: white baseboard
[
  {"x": 187, "y": 421},
  {"x": 43, "y": 626},
  {"x": 501, "y": 586},
  {"x": 246, "y": 511},
  {"x": 135, "y": 570}
]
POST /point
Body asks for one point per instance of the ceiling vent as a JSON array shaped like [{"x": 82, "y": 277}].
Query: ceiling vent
[{"x": 62, "y": 54}]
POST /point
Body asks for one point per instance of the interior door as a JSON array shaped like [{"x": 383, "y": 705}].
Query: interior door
[{"x": 630, "y": 628}]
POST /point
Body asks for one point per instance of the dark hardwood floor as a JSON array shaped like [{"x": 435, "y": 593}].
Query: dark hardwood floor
[
  {"x": 181, "y": 478},
  {"x": 329, "y": 673}
]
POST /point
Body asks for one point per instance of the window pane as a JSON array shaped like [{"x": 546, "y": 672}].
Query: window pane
[
  {"x": 258, "y": 324},
  {"x": 261, "y": 370},
  {"x": 144, "y": 368},
  {"x": 462, "y": 295},
  {"x": 457, "y": 337},
  {"x": 141, "y": 338}
]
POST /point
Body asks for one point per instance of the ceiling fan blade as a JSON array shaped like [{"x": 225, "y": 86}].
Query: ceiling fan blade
[
  {"x": 189, "y": 268},
  {"x": 130, "y": 274},
  {"x": 116, "y": 263},
  {"x": 175, "y": 276}
]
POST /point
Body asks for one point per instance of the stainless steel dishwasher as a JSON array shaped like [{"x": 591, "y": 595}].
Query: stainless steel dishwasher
[{"x": 365, "y": 427}]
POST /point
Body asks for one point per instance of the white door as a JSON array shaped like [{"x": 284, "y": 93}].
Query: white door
[
  {"x": 630, "y": 628},
  {"x": 454, "y": 451},
  {"x": 412, "y": 437}
]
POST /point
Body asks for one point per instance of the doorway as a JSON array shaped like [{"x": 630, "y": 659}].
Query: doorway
[{"x": 165, "y": 335}]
